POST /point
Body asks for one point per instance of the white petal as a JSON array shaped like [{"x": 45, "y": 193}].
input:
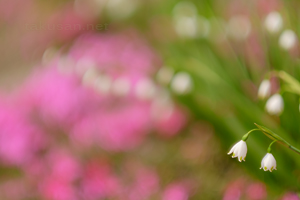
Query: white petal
[
  {"x": 181, "y": 83},
  {"x": 273, "y": 161},
  {"x": 275, "y": 105},
  {"x": 269, "y": 161},
  {"x": 264, "y": 89},
  {"x": 243, "y": 149},
  {"x": 263, "y": 162},
  {"x": 235, "y": 152},
  {"x": 232, "y": 149},
  {"x": 239, "y": 150},
  {"x": 288, "y": 39},
  {"x": 273, "y": 22}
]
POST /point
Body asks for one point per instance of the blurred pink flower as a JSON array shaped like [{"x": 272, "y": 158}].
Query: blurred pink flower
[
  {"x": 234, "y": 190},
  {"x": 55, "y": 189},
  {"x": 67, "y": 23},
  {"x": 267, "y": 6},
  {"x": 176, "y": 191},
  {"x": 63, "y": 165},
  {"x": 53, "y": 98},
  {"x": 146, "y": 184},
  {"x": 171, "y": 123},
  {"x": 58, "y": 115},
  {"x": 55, "y": 173},
  {"x": 11, "y": 10},
  {"x": 99, "y": 182},
  {"x": 254, "y": 52},
  {"x": 116, "y": 129},
  {"x": 14, "y": 189},
  {"x": 290, "y": 196},
  {"x": 116, "y": 54},
  {"x": 62, "y": 25},
  {"x": 19, "y": 139},
  {"x": 256, "y": 191},
  {"x": 124, "y": 128}
]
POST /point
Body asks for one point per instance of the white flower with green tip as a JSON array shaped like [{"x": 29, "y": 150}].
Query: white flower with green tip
[
  {"x": 268, "y": 163},
  {"x": 239, "y": 150}
]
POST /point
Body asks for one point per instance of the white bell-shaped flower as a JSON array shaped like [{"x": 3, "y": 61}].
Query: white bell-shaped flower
[
  {"x": 239, "y": 150},
  {"x": 287, "y": 39},
  {"x": 264, "y": 89},
  {"x": 182, "y": 83},
  {"x": 275, "y": 105},
  {"x": 273, "y": 22},
  {"x": 268, "y": 163}
]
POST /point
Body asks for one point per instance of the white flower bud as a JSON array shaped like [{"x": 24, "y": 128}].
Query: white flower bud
[
  {"x": 186, "y": 27},
  {"x": 145, "y": 89},
  {"x": 275, "y": 105},
  {"x": 181, "y": 83},
  {"x": 121, "y": 86},
  {"x": 287, "y": 39},
  {"x": 89, "y": 77},
  {"x": 103, "y": 84},
  {"x": 164, "y": 75},
  {"x": 239, "y": 27},
  {"x": 185, "y": 19},
  {"x": 273, "y": 22},
  {"x": 239, "y": 150},
  {"x": 268, "y": 163},
  {"x": 264, "y": 89}
]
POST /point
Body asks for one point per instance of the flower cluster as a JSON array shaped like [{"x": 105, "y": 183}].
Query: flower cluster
[
  {"x": 268, "y": 162},
  {"x": 239, "y": 150},
  {"x": 274, "y": 104},
  {"x": 63, "y": 126}
]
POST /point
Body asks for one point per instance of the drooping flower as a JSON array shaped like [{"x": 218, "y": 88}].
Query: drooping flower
[
  {"x": 268, "y": 163},
  {"x": 264, "y": 89},
  {"x": 239, "y": 150},
  {"x": 182, "y": 83},
  {"x": 287, "y": 39},
  {"x": 275, "y": 105},
  {"x": 273, "y": 22}
]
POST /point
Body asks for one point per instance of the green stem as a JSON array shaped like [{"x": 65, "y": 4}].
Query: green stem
[
  {"x": 294, "y": 149},
  {"x": 245, "y": 137},
  {"x": 269, "y": 148},
  {"x": 292, "y": 84},
  {"x": 272, "y": 135},
  {"x": 276, "y": 137}
]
